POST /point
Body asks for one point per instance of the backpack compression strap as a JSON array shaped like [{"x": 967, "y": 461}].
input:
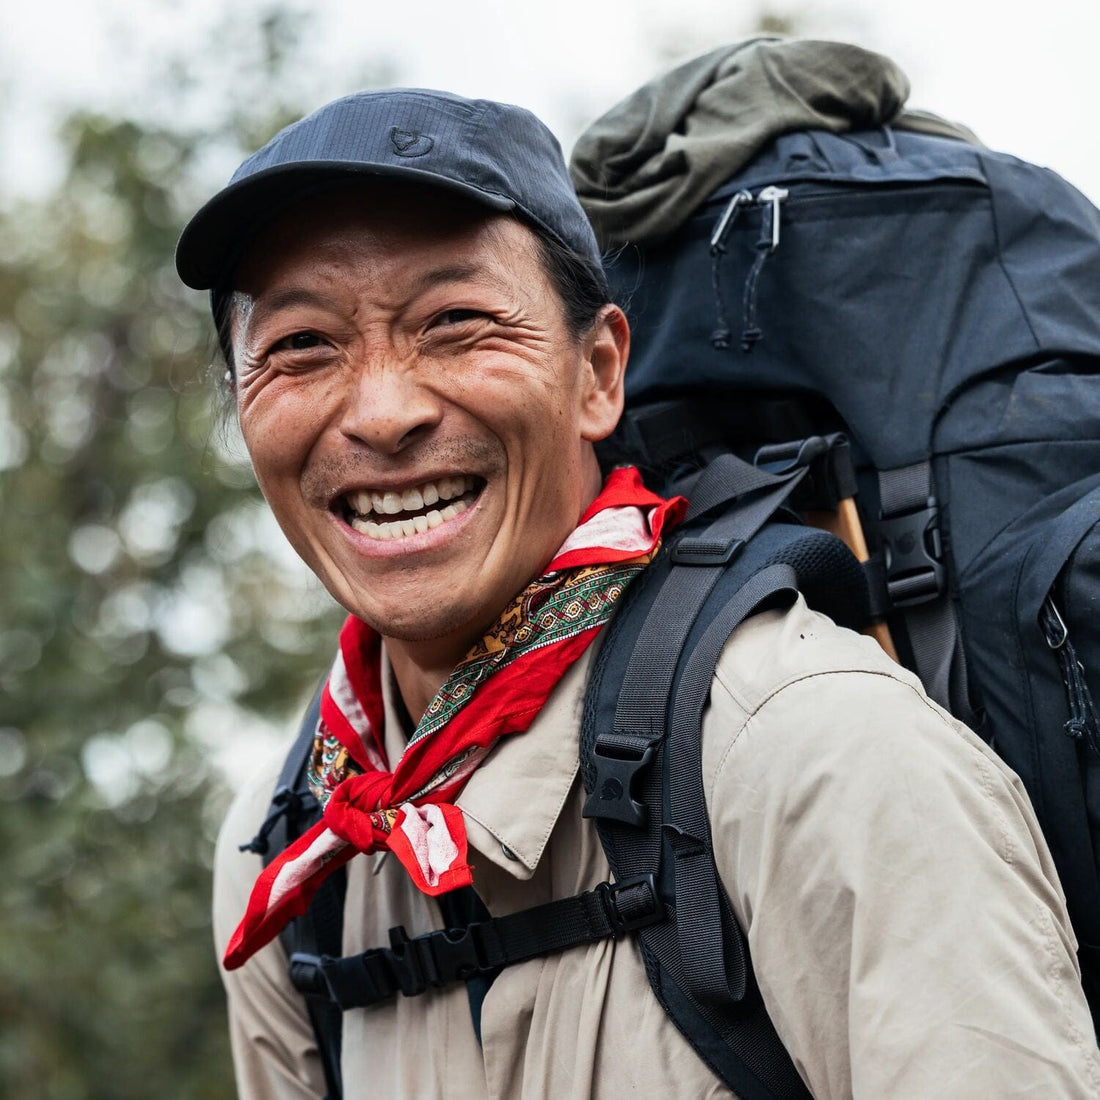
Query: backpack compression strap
[{"x": 917, "y": 584}]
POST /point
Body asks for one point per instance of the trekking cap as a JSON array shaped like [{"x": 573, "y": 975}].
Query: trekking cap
[{"x": 496, "y": 154}]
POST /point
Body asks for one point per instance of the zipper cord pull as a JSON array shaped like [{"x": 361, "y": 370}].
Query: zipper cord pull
[
  {"x": 720, "y": 337},
  {"x": 1082, "y": 724},
  {"x": 768, "y": 241}
]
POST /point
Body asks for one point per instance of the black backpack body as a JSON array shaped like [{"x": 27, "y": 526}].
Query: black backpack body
[{"x": 939, "y": 303}]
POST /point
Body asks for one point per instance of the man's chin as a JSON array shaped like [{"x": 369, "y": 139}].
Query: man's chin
[{"x": 427, "y": 628}]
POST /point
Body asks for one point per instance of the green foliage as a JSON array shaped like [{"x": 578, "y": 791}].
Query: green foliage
[{"x": 151, "y": 621}]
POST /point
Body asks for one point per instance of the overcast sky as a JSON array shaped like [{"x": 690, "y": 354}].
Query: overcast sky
[{"x": 1023, "y": 75}]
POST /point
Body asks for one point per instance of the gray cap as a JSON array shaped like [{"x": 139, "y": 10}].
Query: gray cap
[{"x": 493, "y": 153}]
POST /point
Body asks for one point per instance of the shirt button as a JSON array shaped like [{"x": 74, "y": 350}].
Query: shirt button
[{"x": 508, "y": 853}]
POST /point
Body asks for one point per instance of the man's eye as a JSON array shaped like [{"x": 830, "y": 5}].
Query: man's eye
[
  {"x": 298, "y": 341},
  {"x": 457, "y": 316}
]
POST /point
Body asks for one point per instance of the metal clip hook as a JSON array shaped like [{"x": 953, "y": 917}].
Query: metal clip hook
[
  {"x": 725, "y": 222},
  {"x": 1054, "y": 626},
  {"x": 773, "y": 196}
]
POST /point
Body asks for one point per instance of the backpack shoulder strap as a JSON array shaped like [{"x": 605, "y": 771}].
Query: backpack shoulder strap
[
  {"x": 697, "y": 961},
  {"x": 320, "y": 929}
]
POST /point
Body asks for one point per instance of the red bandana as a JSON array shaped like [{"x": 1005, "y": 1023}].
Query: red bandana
[{"x": 497, "y": 689}]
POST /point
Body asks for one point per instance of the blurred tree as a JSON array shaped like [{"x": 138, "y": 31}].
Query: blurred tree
[{"x": 151, "y": 618}]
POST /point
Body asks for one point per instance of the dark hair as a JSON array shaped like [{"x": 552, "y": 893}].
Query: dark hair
[
  {"x": 581, "y": 286},
  {"x": 221, "y": 301}
]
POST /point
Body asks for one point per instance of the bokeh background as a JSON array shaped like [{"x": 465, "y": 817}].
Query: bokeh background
[{"x": 156, "y": 634}]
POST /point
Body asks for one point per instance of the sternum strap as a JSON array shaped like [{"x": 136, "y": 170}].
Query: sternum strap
[{"x": 410, "y": 965}]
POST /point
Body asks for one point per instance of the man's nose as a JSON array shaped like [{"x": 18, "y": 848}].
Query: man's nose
[{"x": 387, "y": 408}]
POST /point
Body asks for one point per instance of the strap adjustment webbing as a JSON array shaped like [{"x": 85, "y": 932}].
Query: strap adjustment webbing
[{"x": 410, "y": 965}]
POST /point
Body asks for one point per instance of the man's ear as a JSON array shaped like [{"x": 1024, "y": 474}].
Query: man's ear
[{"x": 606, "y": 350}]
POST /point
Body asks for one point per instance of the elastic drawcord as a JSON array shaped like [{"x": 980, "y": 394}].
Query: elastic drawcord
[
  {"x": 1082, "y": 724},
  {"x": 720, "y": 337}
]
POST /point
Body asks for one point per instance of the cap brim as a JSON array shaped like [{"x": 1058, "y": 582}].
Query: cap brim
[{"x": 213, "y": 240}]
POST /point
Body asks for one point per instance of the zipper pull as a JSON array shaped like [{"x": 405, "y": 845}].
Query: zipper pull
[
  {"x": 725, "y": 222},
  {"x": 772, "y": 197},
  {"x": 720, "y": 337},
  {"x": 1082, "y": 724},
  {"x": 1053, "y": 625}
]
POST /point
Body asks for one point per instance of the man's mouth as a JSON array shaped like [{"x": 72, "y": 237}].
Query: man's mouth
[{"x": 389, "y": 514}]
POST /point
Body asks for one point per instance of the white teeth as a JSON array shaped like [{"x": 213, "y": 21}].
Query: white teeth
[
  {"x": 364, "y": 502},
  {"x": 402, "y": 528}
]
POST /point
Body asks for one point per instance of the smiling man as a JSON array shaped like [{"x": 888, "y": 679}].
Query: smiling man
[{"x": 419, "y": 341}]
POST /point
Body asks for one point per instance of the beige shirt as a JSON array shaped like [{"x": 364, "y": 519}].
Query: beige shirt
[{"x": 905, "y": 921}]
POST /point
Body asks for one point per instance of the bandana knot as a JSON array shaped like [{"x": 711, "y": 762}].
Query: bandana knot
[{"x": 355, "y": 811}]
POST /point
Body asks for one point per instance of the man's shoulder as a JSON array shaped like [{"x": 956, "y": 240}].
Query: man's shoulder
[
  {"x": 777, "y": 649},
  {"x": 796, "y": 696}
]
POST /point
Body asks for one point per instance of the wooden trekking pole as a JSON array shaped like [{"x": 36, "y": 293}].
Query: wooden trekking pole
[{"x": 845, "y": 524}]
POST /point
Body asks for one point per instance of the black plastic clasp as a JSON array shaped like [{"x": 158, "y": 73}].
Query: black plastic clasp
[
  {"x": 913, "y": 551},
  {"x": 413, "y": 966},
  {"x": 307, "y": 975},
  {"x": 632, "y": 903},
  {"x": 617, "y": 765}
]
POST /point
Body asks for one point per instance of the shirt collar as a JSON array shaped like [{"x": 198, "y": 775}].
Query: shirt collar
[{"x": 513, "y": 800}]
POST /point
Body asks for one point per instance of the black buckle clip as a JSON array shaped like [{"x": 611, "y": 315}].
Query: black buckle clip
[
  {"x": 691, "y": 550},
  {"x": 307, "y": 975},
  {"x": 436, "y": 958},
  {"x": 412, "y": 962},
  {"x": 913, "y": 551},
  {"x": 612, "y": 793},
  {"x": 629, "y": 907}
]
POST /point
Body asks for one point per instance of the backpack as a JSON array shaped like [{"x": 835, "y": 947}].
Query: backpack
[
  {"x": 940, "y": 304},
  {"x": 740, "y": 550}
]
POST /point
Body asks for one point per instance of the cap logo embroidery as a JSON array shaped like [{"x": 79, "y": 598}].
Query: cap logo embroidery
[{"x": 408, "y": 143}]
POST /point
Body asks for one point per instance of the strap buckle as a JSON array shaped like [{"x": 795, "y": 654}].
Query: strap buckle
[
  {"x": 447, "y": 955},
  {"x": 632, "y": 903},
  {"x": 618, "y": 761},
  {"x": 913, "y": 550},
  {"x": 307, "y": 975}
]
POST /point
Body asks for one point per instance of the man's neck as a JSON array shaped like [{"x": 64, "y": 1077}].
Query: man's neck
[{"x": 420, "y": 671}]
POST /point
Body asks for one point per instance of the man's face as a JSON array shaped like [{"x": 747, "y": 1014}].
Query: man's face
[{"x": 418, "y": 415}]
